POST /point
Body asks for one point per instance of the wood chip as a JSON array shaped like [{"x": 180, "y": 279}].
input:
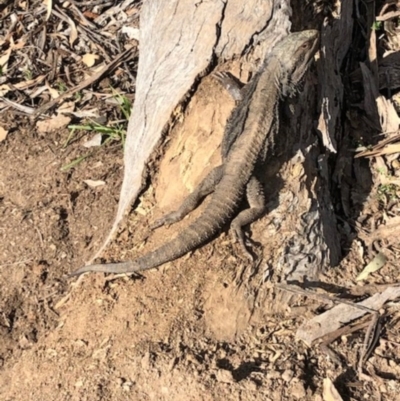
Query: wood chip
[
  {"x": 3, "y": 134},
  {"x": 342, "y": 314},
  {"x": 329, "y": 391}
]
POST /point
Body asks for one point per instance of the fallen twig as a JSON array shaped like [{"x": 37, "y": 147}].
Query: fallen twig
[
  {"x": 327, "y": 325},
  {"x": 119, "y": 59}
]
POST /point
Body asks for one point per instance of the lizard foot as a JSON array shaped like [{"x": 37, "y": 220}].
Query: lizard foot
[
  {"x": 166, "y": 220},
  {"x": 230, "y": 83},
  {"x": 238, "y": 236}
]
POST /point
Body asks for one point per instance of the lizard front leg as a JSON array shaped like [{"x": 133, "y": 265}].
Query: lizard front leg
[
  {"x": 193, "y": 200},
  {"x": 231, "y": 84}
]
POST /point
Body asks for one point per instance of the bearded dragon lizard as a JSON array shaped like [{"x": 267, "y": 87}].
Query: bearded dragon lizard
[{"x": 250, "y": 131}]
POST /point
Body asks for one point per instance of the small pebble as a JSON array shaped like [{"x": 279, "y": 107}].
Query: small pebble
[{"x": 287, "y": 375}]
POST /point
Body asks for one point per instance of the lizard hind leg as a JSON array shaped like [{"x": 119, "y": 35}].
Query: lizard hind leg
[
  {"x": 193, "y": 200},
  {"x": 256, "y": 198}
]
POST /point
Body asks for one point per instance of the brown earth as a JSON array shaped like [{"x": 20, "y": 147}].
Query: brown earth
[
  {"x": 205, "y": 327},
  {"x": 188, "y": 331}
]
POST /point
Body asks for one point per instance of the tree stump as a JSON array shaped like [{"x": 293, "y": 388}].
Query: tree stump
[{"x": 181, "y": 43}]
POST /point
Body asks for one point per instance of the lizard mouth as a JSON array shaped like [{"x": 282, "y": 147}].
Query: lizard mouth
[
  {"x": 296, "y": 78},
  {"x": 308, "y": 57}
]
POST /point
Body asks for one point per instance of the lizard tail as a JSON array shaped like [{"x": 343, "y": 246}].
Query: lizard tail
[
  {"x": 196, "y": 234},
  {"x": 122, "y": 267}
]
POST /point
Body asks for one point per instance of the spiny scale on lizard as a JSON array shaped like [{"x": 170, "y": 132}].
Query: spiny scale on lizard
[{"x": 249, "y": 132}]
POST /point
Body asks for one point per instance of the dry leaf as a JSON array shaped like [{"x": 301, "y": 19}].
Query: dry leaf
[
  {"x": 376, "y": 263},
  {"x": 92, "y": 113},
  {"x": 49, "y": 6},
  {"x": 90, "y": 59},
  {"x": 7, "y": 102},
  {"x": 39, "y": 90},
  {"x": 53, "y": 92},
  {"x": 94, "y": 183},
  {"x": 95, "y": 141},
  {"x": 3, "y": 134},
  {"x": 66, "y": 108},
  {"x": 73, "y": 35},
  {"x": 4, "y": 60},
  {"x": 329, "y": 391},
  {"x": 388, "y": 145},
  {"x": 90, "y": 15},
  {"x": 52, "y": 124},
  {"x": 20, "y": 43},
  {"x": 31, "y": 82},
  {"x": 378, "y": 109},
  {"x": 132, "y": 33},
  {"x": 385, "y": 180},
  {"x": 132, "y": 11},
  {"x": 390, "y": 149},
  {"x": 389, "y": 118},
  {"x": 4, "y": 89}
]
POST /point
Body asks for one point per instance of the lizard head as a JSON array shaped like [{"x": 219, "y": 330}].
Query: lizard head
[{"x": 295, "y": 52}]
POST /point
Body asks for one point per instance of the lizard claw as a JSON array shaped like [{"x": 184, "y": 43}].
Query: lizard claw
[
  {"x": 156, "y": 224},
  {"x": 159, "y": 223},
  {"x": 231, "y": 84}
]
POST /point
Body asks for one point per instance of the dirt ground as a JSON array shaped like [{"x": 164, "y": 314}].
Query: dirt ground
[
  {"x": 184, "y": 332},
  {"x": 190, "y": 330}
]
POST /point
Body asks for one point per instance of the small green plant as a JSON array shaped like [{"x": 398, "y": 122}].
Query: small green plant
[
  {"x": 382, "y": 171},
  {"x": 75, "y": 162},
  {"x": 114, "y": 133},
  {"x": 61, "y": 87},
  {"x": 28, "y": 74},
  {"x": 388, "y": 191},
  {"x": 377, "y": 25},
  {"x": 78, "y": 95},
  {"x": 109, "y": 134},
  {"x": 124, "y": 103}
]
